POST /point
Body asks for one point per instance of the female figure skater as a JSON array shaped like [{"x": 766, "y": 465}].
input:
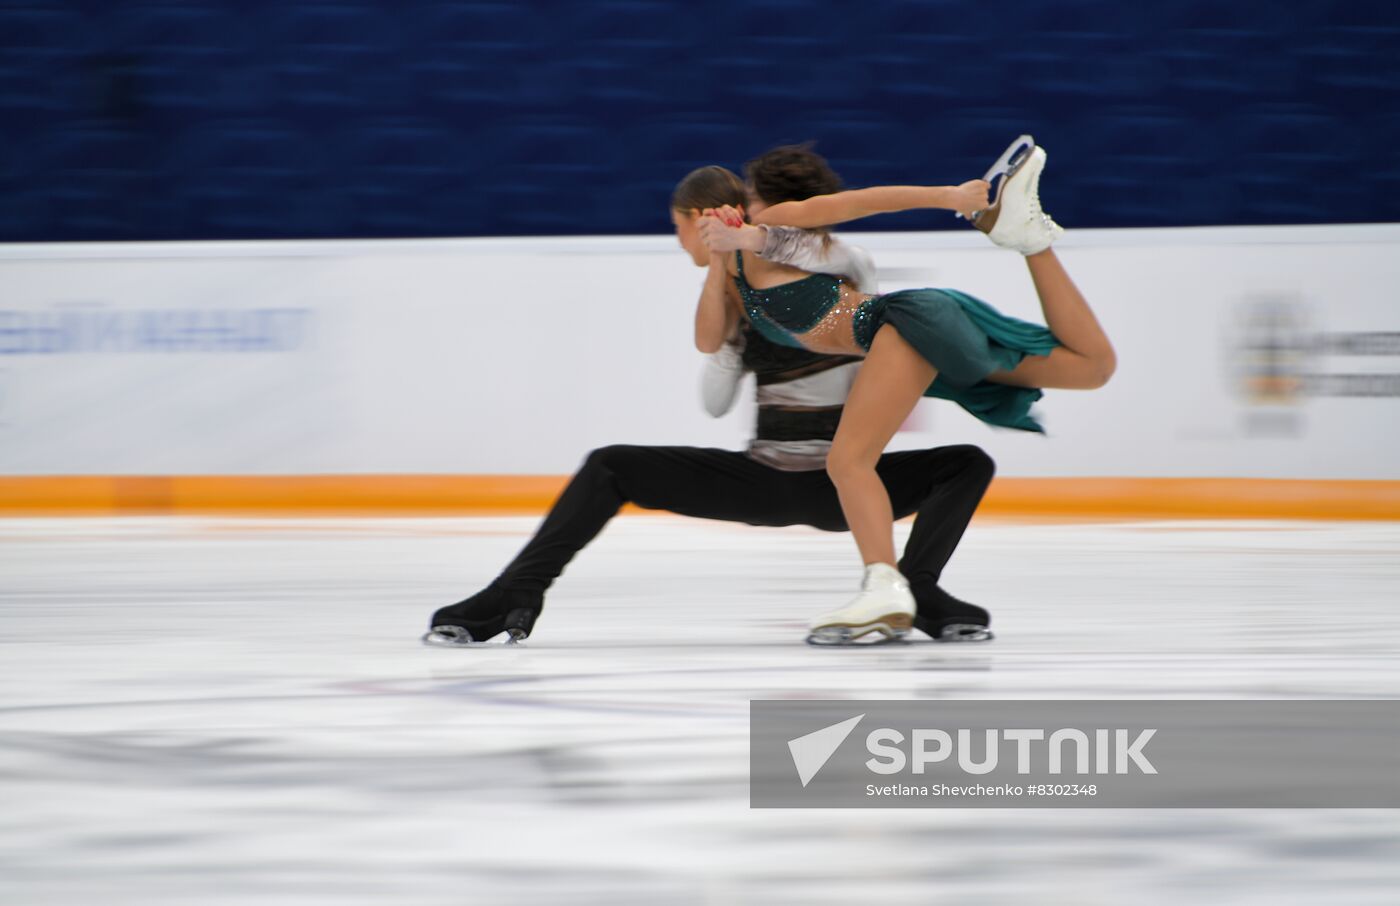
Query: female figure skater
[{"x": 927, "y": 342}]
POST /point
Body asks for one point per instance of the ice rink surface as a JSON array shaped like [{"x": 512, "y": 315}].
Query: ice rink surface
[{"x": 211, "y": 711}]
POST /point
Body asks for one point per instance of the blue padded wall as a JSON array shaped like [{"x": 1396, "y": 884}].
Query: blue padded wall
[{"x": 357, "y": 118}]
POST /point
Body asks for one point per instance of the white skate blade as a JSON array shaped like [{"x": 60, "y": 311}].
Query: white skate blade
[
  {"x": 832, "y": 637},
  {"x": 457, "y": 637},
  {"x": 1011, "y": 160},
  {"x": 876, "y": 632}
]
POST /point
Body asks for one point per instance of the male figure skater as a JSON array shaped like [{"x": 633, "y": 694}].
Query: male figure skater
[{"x": 779, "y": 480}]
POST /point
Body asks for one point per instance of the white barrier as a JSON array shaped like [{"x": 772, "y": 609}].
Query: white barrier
[{"x": 1252, "y": 352}]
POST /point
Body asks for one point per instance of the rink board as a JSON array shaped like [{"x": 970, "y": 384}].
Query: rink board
[{"x": 482, "y": 371}]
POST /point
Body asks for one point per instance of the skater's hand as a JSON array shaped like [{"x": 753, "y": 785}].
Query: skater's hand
[
  {"x": 971, "y": 197},
  {"x": 723, "y": 230},
  {"x": 731, "y": 215}
]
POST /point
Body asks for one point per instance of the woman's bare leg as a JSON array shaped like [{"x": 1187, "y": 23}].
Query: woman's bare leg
[
  {"x": 1085, "y": 359},
  {"x": 890, "y": 382}
]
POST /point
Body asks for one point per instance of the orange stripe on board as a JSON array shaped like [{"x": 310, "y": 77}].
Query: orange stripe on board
[
  {"x": 352, "y": 495},
  {"x": 57, "y": 496},
  {"x": 1194, "y": 498}
]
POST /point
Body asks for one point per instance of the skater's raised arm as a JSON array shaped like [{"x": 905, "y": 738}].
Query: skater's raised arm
[
  {"x": 826, "y": 210},
  {"x": 814, "y": 252},
  {"x": 717, "y": 313}
]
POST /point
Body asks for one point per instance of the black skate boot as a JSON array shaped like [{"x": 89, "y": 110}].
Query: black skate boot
[
  {"x": 944, "y": 618},
  {"x": 485, "y": 615}
]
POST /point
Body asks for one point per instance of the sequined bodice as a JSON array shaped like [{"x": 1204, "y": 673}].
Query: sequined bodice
[{"x": 818, "y": 312}]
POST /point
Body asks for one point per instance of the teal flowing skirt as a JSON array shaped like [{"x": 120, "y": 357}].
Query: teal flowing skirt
[{"x": 966, "y": 340}]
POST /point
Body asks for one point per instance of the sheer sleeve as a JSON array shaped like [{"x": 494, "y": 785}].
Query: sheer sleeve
[{"x": 805, "y": 249}]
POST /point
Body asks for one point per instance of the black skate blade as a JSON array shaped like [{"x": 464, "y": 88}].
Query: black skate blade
[
  {"x": 520, "y": 622},
  {"x": 457, "y": 637},
  {"x": 957, "y": 633}
]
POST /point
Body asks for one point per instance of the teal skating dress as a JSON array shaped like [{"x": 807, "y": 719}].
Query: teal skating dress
[{"x": 963, "y": 337}]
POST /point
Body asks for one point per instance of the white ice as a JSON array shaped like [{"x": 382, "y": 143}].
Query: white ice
[{"x": 212, "y": 711}]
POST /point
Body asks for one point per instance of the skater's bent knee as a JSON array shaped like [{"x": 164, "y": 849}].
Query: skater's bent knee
[
  {"x": 1105, "y": 366},
  {"x": 842, "y": 464},
  {"x": 976, "y": 460},
  {"x": 606, "y": 457}
]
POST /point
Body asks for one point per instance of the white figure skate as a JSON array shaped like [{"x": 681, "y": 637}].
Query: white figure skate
[
  {"x": 884, "y": 606},
  {"x": 1015, "y": 219}
]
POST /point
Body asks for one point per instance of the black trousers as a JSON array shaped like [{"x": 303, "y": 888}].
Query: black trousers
[{"x": 943, "y": 486}]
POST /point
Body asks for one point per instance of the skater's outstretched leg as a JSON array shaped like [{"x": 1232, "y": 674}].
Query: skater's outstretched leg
[
  {"x": 514, "y": 600},
  {"x": 691, "y": 481}
]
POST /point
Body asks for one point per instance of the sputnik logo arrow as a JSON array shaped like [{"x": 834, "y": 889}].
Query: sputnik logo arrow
[{"x": 811, "y": 752}]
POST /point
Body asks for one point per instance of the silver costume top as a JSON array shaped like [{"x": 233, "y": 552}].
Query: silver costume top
[{"x": 724, "y": 370}]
